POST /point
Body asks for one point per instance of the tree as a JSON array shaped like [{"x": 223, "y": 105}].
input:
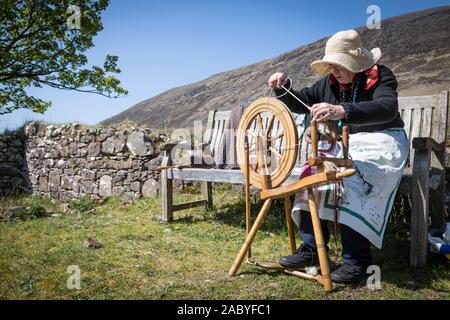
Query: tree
[{"x": 39, "y": 46}]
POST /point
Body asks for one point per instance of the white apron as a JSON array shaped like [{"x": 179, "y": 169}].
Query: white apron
[{"x": 380, "y": 158}]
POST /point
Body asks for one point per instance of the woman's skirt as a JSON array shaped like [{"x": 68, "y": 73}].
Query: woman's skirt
[{"x": 363, "y": 201}]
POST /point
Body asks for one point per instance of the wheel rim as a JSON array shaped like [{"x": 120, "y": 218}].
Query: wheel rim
[{"x": 271, "y": 120}]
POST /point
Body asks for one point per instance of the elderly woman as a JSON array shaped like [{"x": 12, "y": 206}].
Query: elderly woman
[{"x": 358, "y": 92}]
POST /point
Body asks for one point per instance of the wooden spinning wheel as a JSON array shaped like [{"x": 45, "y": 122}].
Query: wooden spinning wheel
[
  {"x": 267, "y": 146},
  {"x": 267, "y": 124}
]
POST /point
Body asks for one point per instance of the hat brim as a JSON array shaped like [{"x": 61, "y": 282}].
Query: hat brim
[{"x": 350, "y": 62}]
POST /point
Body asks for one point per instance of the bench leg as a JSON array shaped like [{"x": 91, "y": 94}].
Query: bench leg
[
  {"x": 437, "y": 196},
  {"x": 207, "y": 191},
  {"x": 419, "y": 208},
  {"x": 166, "y": 197}
]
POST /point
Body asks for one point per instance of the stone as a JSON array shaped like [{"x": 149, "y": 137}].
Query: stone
[
  {"x": 37, "y": 153},
  {"x": 133, "y": 176},
  {"x": 61, "y": 164},
  {"x": 113, "y": 164},
  {"x": 86, "y": 139},
  {"x": 92, "y": 244},
  {"x": 48, "y": 131},
  {"x": 105, "y": 186},
  {"x": 87, "y": 187},
  {"x": 76, "y": 185},
  {"x": 94, "y": 149},
  {"x": 135, "y": 186},
  {"x": 66, "y": 183},
  {"x": 64, "y": 142},
  {"x": 87, "y": 174},
  {"x": 154, "y": 163},
  {"x": 101, "y": 137},
  {"x": 113, "y": 145},
  {"x": 55, "y": 151},
  {"x": 43, "y": 184},
  {"x": 69, "y": 172},
  {"x": 65, "y": 207},
  {"x": 117, "y": 191},
  {"x": 124, "y": 164},
  {"x": 82, "y": 152},
  {"x": 150, "y": 188},
  {"x": 64, "y": 152},
  {"x": 110, "y": 132},
  {"x": 128, "y": 197},
  {"x": 68, "y": 195},
  {"x": 108, "y": 146},
  {"x": 120, "y": 176},
  {"x": 120, "y": 145},
  {"x": 54, "y": 180},
  {"x": 31, "y": 129},
  {"x": 94, "y": 164},
  {"x": 73, "y": 149},
  {"x": 140, "y": 145},
  {"x": 144, "y": 175},
  {"x": 56, "y": 132},
  {"x": 136, "y": 164}
]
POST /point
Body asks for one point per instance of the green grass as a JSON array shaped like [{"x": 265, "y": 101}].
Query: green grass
[{"x": 188, "y": 259}]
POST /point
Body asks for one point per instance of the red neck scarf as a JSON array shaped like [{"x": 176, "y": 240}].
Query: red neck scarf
[{"x": 372, "y": 76}]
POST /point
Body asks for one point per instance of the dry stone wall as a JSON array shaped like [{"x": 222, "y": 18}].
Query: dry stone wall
[{"x": 71, "y": 161}]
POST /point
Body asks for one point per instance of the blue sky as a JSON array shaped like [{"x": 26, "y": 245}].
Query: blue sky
[{"x": 166, "y": 44}]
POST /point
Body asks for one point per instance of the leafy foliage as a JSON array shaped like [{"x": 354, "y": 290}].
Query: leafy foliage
[
  {"x": 82, "y": 205},
  {"x": 38, "y": 47}
]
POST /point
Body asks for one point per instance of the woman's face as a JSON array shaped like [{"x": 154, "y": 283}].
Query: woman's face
[{"x": 342, "y": 75}]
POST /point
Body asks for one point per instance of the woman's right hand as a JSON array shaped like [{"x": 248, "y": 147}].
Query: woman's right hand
[{"x": 277, "y": 80}]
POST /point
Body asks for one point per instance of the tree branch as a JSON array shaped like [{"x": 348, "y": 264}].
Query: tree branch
[{"x": 61, "y": 86}]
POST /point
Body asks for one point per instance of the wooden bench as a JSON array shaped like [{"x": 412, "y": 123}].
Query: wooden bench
[{"x": 426, "y": 121}]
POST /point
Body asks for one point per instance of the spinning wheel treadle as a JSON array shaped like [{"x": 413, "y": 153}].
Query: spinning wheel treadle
[{"x": 269, "y": 127}]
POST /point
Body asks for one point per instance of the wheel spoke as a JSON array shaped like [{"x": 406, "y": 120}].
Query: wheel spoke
[
  {"x": 260, "y": 122},
  {"x": 279, "y": 135},
  {"x": 270, "y": 125},
  {"x": 274, "y": 151},
  {"x": 254, "y": 135}
]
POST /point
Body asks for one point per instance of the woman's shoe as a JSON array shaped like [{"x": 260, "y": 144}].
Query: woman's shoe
[
  {"x": 348, "y": 273},
  {"x": 306, "y": 256}
]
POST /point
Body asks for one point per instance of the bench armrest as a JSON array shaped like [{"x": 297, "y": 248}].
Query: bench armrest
[{"x": 426, "y": 143}]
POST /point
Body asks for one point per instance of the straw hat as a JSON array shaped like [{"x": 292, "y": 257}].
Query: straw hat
[{"x": 345, "y": 49}]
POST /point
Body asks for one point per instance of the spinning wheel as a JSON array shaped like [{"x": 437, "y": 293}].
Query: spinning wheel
[
  {"x": 268, "y": 125},
  {"x": 267, "y": 146}
]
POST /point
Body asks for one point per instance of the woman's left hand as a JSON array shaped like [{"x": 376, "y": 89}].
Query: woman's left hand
[{"x": 326, "y": 111}]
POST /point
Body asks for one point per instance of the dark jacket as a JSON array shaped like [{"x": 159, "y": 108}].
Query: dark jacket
[{"x": 375, "y": 109}]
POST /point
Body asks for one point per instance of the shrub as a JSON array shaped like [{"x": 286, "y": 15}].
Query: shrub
[{"x": 82, "y": 205}]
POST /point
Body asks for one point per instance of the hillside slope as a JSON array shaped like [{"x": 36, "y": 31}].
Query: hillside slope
[{"x": 415, "y": 46}]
